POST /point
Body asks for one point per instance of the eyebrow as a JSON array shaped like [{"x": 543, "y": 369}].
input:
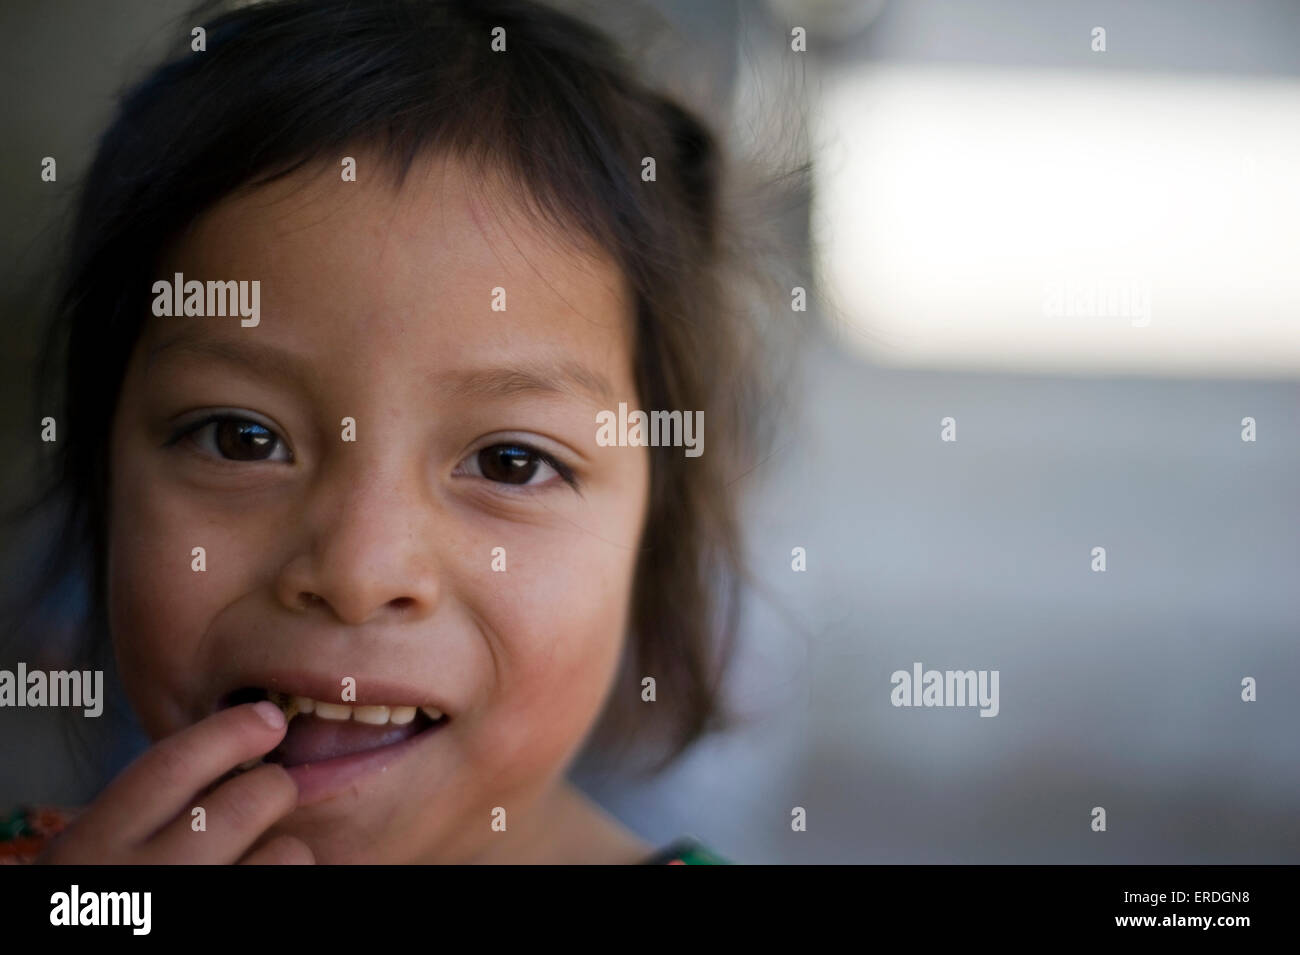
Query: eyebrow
[
  {"x": 536, "y": 377},
  {"x": 564, "y": 377},
  {"x": 266, "y": 360}
]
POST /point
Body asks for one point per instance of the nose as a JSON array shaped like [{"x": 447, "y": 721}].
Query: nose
[{"x": 366, "y": 556}]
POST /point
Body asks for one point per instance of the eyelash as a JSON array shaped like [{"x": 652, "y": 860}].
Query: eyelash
[
  {"x": 564, "y": 471},
  {"x": 194, "y": 427}
]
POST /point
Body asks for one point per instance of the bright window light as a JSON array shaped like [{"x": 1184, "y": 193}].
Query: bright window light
[{"x": 1062, "y": 221}]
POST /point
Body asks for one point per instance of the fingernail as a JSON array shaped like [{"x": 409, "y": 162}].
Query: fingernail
[{"x": 271, "y": 713}]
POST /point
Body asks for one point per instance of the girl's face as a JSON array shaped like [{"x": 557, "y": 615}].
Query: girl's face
[{"x": 443, "y": 557}]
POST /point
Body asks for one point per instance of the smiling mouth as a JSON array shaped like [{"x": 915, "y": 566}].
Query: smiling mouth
[{"x": 323, "y": 731}]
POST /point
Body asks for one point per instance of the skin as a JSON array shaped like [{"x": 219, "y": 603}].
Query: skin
[{"x": 372, "y": 559}]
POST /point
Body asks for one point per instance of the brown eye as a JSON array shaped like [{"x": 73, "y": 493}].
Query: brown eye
[
  {"x": 237, "y": 439},
  {"x": 508, "y": 464},
  {"x": 244, "y": 440},
  {"x": 518, "y": 465}
]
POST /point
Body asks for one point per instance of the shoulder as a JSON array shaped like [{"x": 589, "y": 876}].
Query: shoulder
[
  {"x": 24, "y": 831},
  {"x": 686, "y": 851}
]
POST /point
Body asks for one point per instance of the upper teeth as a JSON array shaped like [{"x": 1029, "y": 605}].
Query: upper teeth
[{"x": 376, "y": 715}]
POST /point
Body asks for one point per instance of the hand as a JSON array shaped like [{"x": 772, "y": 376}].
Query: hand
[{"x": 144, "y": 816}]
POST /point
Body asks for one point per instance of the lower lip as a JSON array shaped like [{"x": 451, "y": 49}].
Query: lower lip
[{"x": 320, "y": 781}]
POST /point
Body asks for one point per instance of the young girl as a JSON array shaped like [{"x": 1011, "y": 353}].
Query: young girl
[{"x": 353, "y": 284}]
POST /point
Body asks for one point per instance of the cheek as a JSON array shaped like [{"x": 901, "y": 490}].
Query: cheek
[
  {"x": 558, "y": 615},
  {"x": 159, "y": 605}
]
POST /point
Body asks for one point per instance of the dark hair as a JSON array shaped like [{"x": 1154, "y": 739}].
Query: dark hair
[{"x": 563, "y": 116}]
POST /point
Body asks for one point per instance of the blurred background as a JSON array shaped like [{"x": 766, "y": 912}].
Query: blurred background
[{"x": 1083, "y": 248}]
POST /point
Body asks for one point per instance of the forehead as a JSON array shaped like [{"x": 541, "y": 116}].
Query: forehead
[{"x": 369, "y": 272}]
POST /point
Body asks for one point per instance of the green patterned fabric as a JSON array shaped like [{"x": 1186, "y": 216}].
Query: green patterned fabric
[
  {"x": 24, "y": 832},
  {"x": 687, "y": 851}
]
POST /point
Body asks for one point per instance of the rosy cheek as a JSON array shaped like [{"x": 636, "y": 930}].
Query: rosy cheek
[{"x": 560, "y": 636}]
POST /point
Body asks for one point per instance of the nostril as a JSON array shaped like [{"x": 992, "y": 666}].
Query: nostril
[{"x": 401, "y": 603}]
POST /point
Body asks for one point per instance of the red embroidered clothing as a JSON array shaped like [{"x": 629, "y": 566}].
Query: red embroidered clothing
[{"x": 25, "y": 831}]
